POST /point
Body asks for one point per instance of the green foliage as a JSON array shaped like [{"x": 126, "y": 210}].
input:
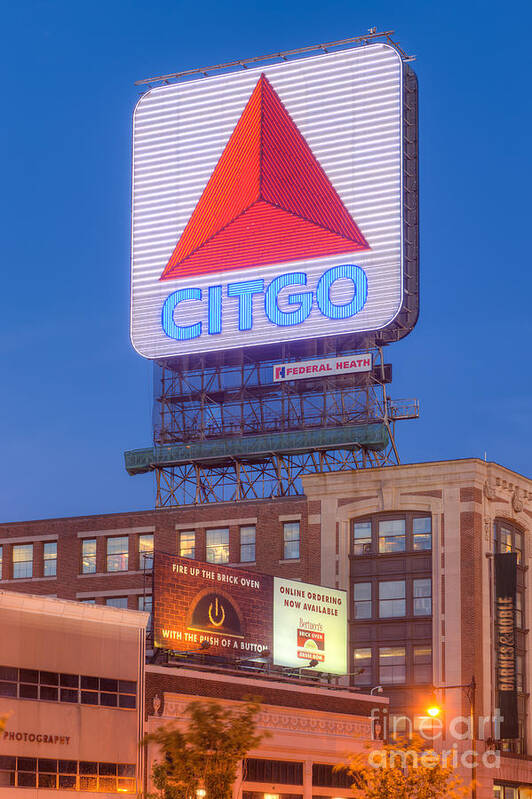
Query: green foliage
[
  {"x": 404, "y": 769},
  {"x": 205, "y": 752}
]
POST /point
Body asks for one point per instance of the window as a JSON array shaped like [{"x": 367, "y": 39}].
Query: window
[
  {"x": 217, "y": 545},
  {"x": 392, "y": 665},
  {"x": 22, "y": 561},
  {"x": 519, "y": 675},
  {"x": 30, "y": 772},
  {"x": 422, "y": 533},
  {"x": 392, "y": 599},
  {"x": 291, "y": 540},
  {"x": 327, "y": 776},
  {"x": 508, "y": 539},
  {"x": 362, "y": 538},
  {"x": 247, "y": 544},
  {"x": 117, "y": 554},
  {"x": 392, "y": 535},
  {"x": 362, "y": 674},
  {"x": 146, "y": 551},
  {"x": 519, "y": 620},
  {"x": 273, "y": 771},
  {"x": 88, "y": 601},
  {"x": 362, "y": 596},
  {"x": 50, "y": 559},
  {"x": 54, "y": 687},
  {"x": 146, "y": 604},
  {"x": 1, "y": 552},
  {"x": 187, "y": 544},
  {"x": 423, "y": 597},
  {"x": 422, "y": 664},
  {"x": 116, "y": 601},
  {"x": 88, "y": 556}
]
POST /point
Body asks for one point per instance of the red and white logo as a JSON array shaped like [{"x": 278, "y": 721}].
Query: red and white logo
[{"x": 267, "y": 201}]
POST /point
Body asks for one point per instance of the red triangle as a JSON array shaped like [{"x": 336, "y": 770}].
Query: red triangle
[{"x": 268, "y": 200}]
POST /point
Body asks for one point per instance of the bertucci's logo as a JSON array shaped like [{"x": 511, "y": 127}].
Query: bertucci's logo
[{"x": 267, "y": 201}]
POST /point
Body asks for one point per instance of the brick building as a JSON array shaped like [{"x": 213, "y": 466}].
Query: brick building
[{"x": 413, "y": 545}]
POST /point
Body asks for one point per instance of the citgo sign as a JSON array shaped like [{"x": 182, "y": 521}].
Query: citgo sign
[{"x": 267, "y": 204}]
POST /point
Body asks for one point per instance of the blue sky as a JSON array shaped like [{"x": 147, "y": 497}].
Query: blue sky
[{"x": 75, "y": 395}]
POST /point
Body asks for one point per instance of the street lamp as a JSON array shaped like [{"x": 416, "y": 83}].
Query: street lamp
[{"x": 434, "y": 710}]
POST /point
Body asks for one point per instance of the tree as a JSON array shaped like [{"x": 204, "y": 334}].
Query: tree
[
  {"x": 205, "y": 755},
  {"x": 404, "y": 769}
]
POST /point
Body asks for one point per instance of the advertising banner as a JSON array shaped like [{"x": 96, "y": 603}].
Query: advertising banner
[
  {"x": 196, "y": 603},
  {"x": 309, "y": 624},
  {"x": 324, "y": 367},
  {"x": 268, "y": 204},
  {"x": 222, "y": 610},
  {"x": 505, "y": 645}
]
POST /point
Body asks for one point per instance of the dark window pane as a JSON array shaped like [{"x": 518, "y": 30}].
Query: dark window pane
[
  {"x": 108, "y": 685},
  {"x": 50, "y": 766},
  {"x": 49, "y": 678},
  {"x": 27, "y": 764},
  {"x": 89, "y": 682},
  {"x": 107, "y": 784},
  {"x": 273, "y": 771},
  {"x": 69, "y": 680},
  {"x": 108, "y": 769},
  {"x": 28, "y": 691},
  {"x": 26, "y": 779},
  {"x": 69, "y": 695},
  {"x": 8, "y": 689},
  {"x": 7, "y": 763},
  {"x": 86, "y": 767},
  {"x": 49, "y": 693},
  {"x": 126, "y": 769},
  {"x": 8, "y": 673},
  {"x": 89, "y": 698},
  {"x": 7, "y": 779},
  {"x": 127, "y": 700},
  {"x": 88, "y": 783},
  {"x": 127, "y": 687},
  {"x": 47, "y": 780},
  {"x": 109, "y": 700},
  {"x": 67, "y": 783},
  {"x": 68, "y": 767},
  {"x": 28, "y": 675}
]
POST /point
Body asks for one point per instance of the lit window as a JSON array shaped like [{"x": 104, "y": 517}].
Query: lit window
[
  {"x": 508, "y": 539},
  {"x": 116, "y": 601},
  {"x": 146, "y": 604},
  {"x": 362, "y": 667},
  {"x": 362, "y": 596},
  {"x": 247, "y": 544},
  {"x": 1, "y": 557},
  {"x": 217, "y": 546},
  {"x": 50, "y": 559},
  {"x": 88, "y": 556},
  {"x": 362, "y": 538},
  {"x": 423, "y": 664},
  {"x": 291, "y": 540},
  {"x": 392, "y": 599},
  {"x": 22, "y": 561},
  {"x": 187, "y": 544},
  {"x": 422, "y": 533},
  {"x": 392, "y": 665},
  {"x": 146, "y": 551},
  {"x": 392, "y": 535},
  {"x": 117, "y": 554},
  {"x": 88, "y": 601},
  {"x": 423, "y": 597}
]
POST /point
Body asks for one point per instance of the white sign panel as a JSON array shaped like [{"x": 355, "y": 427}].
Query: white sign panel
[
  {"x": 309, "y": 625},
  {"x": 267, "y": 204},
  {"x": 303, "y": 370}
]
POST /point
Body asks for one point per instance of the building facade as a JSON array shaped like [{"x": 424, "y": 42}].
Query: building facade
[
  {"x": 412, "y": 544},
  {"x": 72, "y": 688}
]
